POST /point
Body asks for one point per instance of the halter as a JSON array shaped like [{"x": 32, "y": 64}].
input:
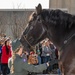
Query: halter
[
  {"x": 28, "y": 43},
  {"x": 64, "y": 43}
]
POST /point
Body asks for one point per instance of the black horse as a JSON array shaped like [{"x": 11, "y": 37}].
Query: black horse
[{"x": 59, "y": 27}]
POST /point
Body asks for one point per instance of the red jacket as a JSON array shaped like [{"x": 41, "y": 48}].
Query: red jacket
[{"x": 5, "y": 56}]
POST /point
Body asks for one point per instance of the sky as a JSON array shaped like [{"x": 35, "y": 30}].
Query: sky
[{"x": 22, "y": 4}]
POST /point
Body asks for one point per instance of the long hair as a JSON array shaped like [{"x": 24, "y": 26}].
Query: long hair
[
  {"x": 13, "y": 58},
  {"x": 7, "y": 48}
]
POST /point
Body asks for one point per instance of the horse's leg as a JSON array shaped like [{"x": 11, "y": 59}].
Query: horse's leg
[
  {"x": 61, "y": 67},
  {"x": 63, "y": 71}
]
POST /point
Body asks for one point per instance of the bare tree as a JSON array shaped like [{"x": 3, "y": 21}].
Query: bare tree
[
  {"x": 18, "y": 26},
  {"x": 2, "y": 27},
  {"x": 19, "y": 5}
]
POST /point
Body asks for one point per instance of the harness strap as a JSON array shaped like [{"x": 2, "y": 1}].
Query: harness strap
[{"x": 67, "y": 41}]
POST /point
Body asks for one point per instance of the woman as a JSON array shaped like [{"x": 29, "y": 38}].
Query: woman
[
  {"x": 1, "y": 44},
  {"x": 38, "y": 53},
  {"x": 6, "y": 54},
  {"x": 20, "y": 66},
  {"x": 32, "y": 59}
]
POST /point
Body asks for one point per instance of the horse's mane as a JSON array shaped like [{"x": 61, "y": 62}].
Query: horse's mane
[
  {"x": 31, "y": 16},
  {"x": 61, "y": 20},
  {"x": 58, "y": 17}
]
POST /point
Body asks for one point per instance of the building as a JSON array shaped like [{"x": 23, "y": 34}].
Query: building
[
  {"x": 14, "y": 21},
  {"x": 68, "y": 4}
]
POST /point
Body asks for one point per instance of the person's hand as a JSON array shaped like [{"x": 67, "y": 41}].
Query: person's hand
[
  {"x": 47, "y": 64},
  {"x": 52, "y": 62}
]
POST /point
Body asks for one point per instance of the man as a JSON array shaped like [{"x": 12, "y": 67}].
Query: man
[{"x": 46, "y": 52}]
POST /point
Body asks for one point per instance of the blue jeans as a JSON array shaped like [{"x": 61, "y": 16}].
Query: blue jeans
[
  {"x": 46, "y": 59},
  {"x": 5, "y": 69},
  {"x": 42, "y": 59},
  {"x": 39, "y": 60},
  {"x": 59, "y": 72}
]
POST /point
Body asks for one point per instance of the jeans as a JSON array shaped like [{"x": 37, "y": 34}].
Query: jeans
[
  {"x": 39, "y": 60},
  {"x": 4, "y": 69},
  {"x": 42, "y": 59},
  {"x": 59, "y": 72},
  {"x": 47, "y": 58}
]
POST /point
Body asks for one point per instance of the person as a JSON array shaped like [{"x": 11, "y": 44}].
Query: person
[
  {"x": 32, "y": 59},
  {"x": 53, "y": 55},
  {"x": 1, "y": 44},
  {"x": 20, "y": 66},
  {"x": 43, "y": 53},
  {"x": 6, "y": 54},
  {"x": 38, "y": 53},
  {"x": 0, "y": 55},
  {"x": 47, "y": 52}
]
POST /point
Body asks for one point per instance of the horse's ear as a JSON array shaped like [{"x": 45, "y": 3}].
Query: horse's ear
[{"x": 38, "y": 9}]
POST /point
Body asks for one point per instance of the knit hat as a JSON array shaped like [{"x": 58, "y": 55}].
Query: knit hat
[{"x": 15, "y": 44}]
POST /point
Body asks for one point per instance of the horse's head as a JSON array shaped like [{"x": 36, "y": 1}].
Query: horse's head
[{"x": 35, "y": 31}]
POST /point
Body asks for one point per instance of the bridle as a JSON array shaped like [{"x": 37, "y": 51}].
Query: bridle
[
  {"x": 65, "y": 43},
  {"x": 28, "y": 43},
  {"x": 38, "y": 38}
]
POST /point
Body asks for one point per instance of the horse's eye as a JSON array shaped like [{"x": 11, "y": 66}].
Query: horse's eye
[
  {"x": 39, "y": 20},
  {"x": 25, "y": 36}
]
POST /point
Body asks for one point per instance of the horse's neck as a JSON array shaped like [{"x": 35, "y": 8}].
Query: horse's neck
[{"x": 60, "y": 25}]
